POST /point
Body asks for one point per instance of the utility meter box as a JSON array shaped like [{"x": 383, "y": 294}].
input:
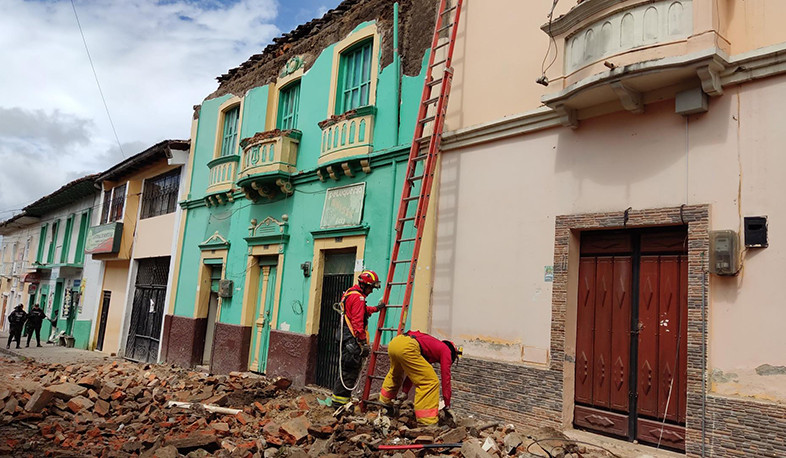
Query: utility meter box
[
  {"x": 724, "y": 252},
  {"x": 225, "y": 288}
]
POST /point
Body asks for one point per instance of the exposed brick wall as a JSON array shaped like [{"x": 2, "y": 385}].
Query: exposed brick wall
[
  {"x": 517, "y": 394},
  {"x": 739, "y": 427}
]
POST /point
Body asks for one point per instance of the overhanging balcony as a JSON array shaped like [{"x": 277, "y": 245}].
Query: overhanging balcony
[
  {"x": 221, "y": 178},
  {"x": 348, "y": 135},
  {"x": 268, "y": 161},
  {"x": 627, "y": 52}
]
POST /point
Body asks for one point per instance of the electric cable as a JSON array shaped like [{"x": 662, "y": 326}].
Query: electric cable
[
  {"x": 569, "y": 441},
  {"x": 103, "y": 99},
  {"x": 543, "y": 68}
]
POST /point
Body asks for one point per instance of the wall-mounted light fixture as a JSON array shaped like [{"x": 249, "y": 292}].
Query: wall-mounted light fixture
[{"x": 306, "y": 266}]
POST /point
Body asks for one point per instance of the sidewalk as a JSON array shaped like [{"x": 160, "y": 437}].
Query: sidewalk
[{"x": 48, "y": 353}]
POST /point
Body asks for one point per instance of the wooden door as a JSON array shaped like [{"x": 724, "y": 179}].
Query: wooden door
[
  {"x": 260, "y": 340},
  {"x": 632, "y": 284}
]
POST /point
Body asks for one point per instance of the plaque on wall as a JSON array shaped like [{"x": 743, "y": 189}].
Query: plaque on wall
[{"x": 343, "y": 206}]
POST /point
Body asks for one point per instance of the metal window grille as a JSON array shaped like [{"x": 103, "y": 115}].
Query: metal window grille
[
  {"x": 105, "y": 206},
  {"x": 288, "y": 103},
  {"x": 118, "y": 201},
  {"x": 160, "y": 194},
  {"x": 147, "y": 310},
  {"x": 355, "y": 77},
  {"x": 230, "y": 131}
]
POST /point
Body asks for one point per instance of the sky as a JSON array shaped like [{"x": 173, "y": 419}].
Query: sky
[{"x": 154, "y": 61}]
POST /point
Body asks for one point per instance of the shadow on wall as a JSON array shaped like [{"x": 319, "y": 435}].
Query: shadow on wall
[
  {"x": 622, "y": 149},
  {"x": 447, "y": 231}
]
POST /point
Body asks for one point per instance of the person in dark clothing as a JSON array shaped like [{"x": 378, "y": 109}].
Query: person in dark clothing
[
  {"x": 34, "y": 320},
  {"x": 16, "y": 321}
]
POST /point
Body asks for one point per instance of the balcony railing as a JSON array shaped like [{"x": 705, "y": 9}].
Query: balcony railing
[
  {"x": 268, "y": 160},
  {"x": 347, "y": 135},
  {"x": 222, "y": 173}
]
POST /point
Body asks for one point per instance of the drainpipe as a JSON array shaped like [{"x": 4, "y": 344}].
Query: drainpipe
[
  {"x": 392, "y": 212},
  {"x": 397, "y": 68}
]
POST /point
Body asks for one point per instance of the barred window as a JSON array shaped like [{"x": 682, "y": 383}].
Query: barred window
[
  {"x": 160, "y": 194},
  {"x": 105, "y": 206}
]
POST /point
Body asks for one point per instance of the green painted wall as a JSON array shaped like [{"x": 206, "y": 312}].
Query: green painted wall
[
  {"x": 82, "y": 333},
  {"x": 304, "y": 207}
]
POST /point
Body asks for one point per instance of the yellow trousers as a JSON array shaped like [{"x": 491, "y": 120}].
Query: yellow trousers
[{"x": 406, "y": 361}]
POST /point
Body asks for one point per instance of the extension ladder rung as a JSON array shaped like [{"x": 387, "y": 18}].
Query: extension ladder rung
[
  {"x": 389, "y": 329},
  {"x": 429, "y": 119},
  {"x": 431, "y": 100},
  {"x": 439, "y": 46},
  {"x": 401, "y": 261},
  {"x": 444, "y": 27},
  {"x": 425, "y": 137},
  {"x": 393, "y": 306},
  {"x": 448, "y": 10},
  {"x": 398, "y": 283},
  {"x": 376, "y": 377},
  {"x": 419, "y": 157},
  {"x": 415, "y": 178},
  {"x": 434, "y": 82},
  {"x": 410, "y": 199},
  {"x": 411, "y": 239},
  {"x": 408, "y": 218},
  {"x": 438, "y": 63}
]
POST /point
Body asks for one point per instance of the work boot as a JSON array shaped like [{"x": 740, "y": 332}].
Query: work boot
[
  {"x": 38, "y": 345},
  {"x": 8, "y": 346},
  {"x": 27, "y": 346}
]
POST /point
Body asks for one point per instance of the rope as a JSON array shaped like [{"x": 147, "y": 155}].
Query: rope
[{"x": 341, "y": 350}]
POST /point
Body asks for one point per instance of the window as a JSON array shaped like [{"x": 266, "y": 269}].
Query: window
[
  {"x": 229, "y": 134},
  {"x": 84, "y": 222},
  {"x": 159, "y": 196},
  {"x": 39, "y": 257},
  {"x": 354, "y": 77},
  {"x": 69, "y": 227},
  {"x": 288, "y": 102},
  {"x": 50, "y": 256},
  {"x": 114, "y": 200}
]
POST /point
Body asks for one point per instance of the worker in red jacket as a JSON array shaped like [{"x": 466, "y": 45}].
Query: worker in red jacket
[
  {"x": 411, "y": 356},
  {"x": 352, "y": 334}
]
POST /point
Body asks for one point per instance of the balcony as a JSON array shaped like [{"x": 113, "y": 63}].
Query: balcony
[
  {"x": 268, "y": 161},
  {"x": 348, "y": 135},
  {"x": 221, "y": 179},
  {"x": 629, "y": 52}
]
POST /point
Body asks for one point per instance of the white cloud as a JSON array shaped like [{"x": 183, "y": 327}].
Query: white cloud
[{"x": 154, "y": 59}]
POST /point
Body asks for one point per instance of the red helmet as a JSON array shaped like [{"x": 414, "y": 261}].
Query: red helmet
[{"x": 369, "y": 277}]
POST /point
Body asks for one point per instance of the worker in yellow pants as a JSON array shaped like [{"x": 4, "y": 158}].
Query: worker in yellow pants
[{"x": 411, "y": 356}]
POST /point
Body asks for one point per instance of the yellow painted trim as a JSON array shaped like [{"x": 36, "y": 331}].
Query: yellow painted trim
[
  {"x": 280, "y": 84},
  {"x": 358, "y": 242},
  {"x": 189, "y": 168},
  {"x": 370, "y": 31},
  {"x": 232, "y": 102},
  {"x": 420, "y": 309},
  {"x": 202, "y": 304},
  {"x": 250, "y": 294}
]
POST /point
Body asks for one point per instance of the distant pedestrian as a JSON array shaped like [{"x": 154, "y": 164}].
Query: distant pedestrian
[
  {"x": 34, "y": 320},
  {"x": 16, "y": 321}
]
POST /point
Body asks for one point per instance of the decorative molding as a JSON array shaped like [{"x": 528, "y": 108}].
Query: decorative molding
[
  {"x": 292, "y": 65},
  {"x": 347, "y": 231},
  {"x": 509, "y": 126},
  {"x": 577, "y": 14},
  {"x": 269, "y": 231},
  {"x": 710, "y": 77},
  {"x": 214, "y": 242},
  {"x": 630, "y": 99}
]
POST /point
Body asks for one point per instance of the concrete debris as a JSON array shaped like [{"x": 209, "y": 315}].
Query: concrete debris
[{"x": 125, "y": 409}]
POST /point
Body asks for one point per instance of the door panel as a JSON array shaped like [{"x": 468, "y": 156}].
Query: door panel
[
  {"x": 620, "y": 335},
  {"x": 648, "y": 336},
  {"x": 265, "y": 303},
  {"x": 604, "y": 281},
  {"x": 585, "y": 325},
  {"x": 668, "y": 332}
]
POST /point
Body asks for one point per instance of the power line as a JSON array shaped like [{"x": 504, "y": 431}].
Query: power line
[{"x": 103, "y": 99}]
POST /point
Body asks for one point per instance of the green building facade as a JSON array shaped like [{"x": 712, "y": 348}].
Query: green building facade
[{"x": 297, "y": 165}]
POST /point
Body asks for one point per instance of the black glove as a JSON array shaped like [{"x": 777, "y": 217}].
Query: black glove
[
  {"x": 381, "y": 306},
  {"x": 365, "y": 350}
]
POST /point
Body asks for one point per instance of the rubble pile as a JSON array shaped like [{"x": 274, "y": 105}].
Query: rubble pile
[{"x": 124, "y": 409}]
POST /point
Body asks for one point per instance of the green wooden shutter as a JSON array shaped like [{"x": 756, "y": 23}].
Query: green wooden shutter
[
  {"x": 67, "y": 239},
  {"x": 39, "y": 257},
  {"x": 288, "y": 102},
  {"x": 229, "y": 139},
  {"x": 354, "y": 78},
  {"x": 84, "y": 222},
  {"x": 50, "y": 256}
]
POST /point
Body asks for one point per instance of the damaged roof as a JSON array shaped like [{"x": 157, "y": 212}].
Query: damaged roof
[
  {"x": 77, "y": 189},
  {"x": 161, "y": 150},
  {"x": 416, "y": 23}
]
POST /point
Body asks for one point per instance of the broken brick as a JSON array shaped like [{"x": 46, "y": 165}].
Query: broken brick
[
  {"x": 78, "y": 403},
  {"x": 39, "y": 400}
]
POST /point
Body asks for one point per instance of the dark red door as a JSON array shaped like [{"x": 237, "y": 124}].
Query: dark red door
[{"x": 607, "y": 306}]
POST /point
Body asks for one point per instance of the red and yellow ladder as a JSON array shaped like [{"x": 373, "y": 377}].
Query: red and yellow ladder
[{"x": 419, "y": 179}]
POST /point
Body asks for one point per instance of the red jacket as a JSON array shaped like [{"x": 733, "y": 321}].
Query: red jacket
[
  {"x": 434, "y": 351},
  {"x": 357, "y": 312}
]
